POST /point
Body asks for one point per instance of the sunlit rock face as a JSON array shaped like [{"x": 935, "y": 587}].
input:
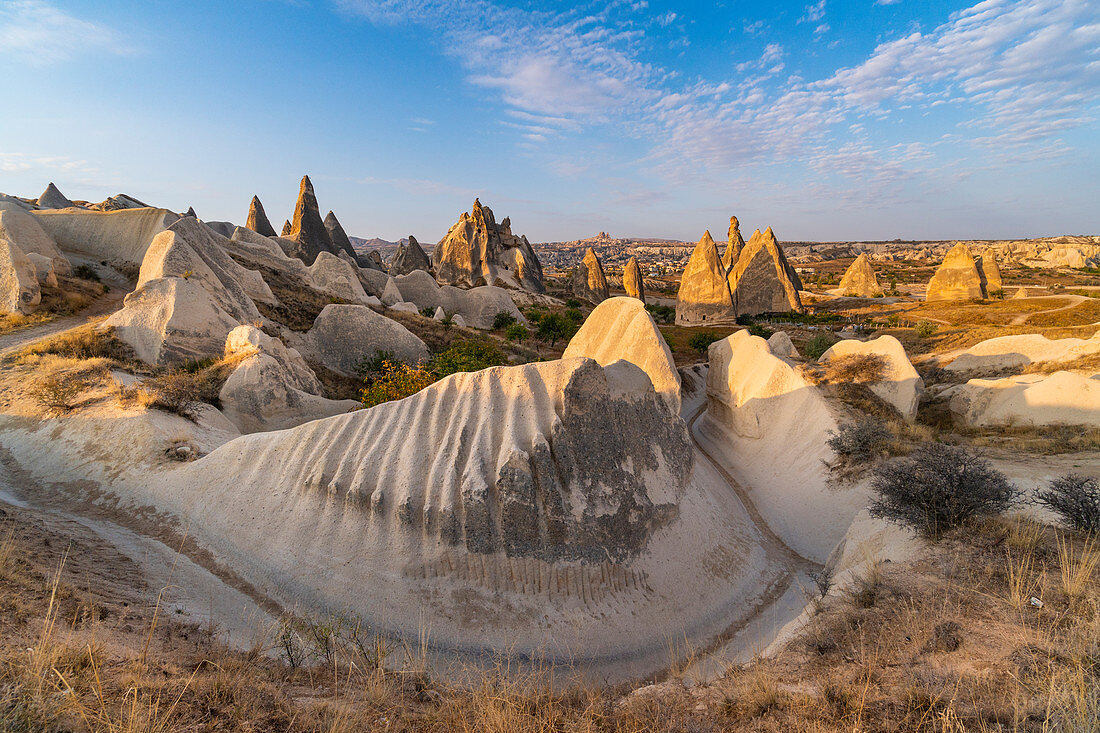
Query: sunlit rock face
[
  {"x": 479, "y": 251},
  {"x": 957, "y": 277},
  {"x": 860, "y": 280},
  {"x": 762, "y": 281},
  {"x": 704, "y": 294},
  {"x": 589, "y": 282}
]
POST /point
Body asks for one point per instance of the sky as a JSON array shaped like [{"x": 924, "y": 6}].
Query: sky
[{"x": 826, "y": 120}]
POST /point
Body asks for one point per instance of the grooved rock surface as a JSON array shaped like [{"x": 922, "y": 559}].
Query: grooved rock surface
[
  {"x": 588, "y": 280},
  {"x": 257, "y": 219},
  {"x": 704, "y": 293},
  {"x": 957, "y": 277},
  {"x": 24, "y": 231},
  {"x": 19, "y": 292},
  {"x": 621, "y": 328},
  {"x": 762, "y": 281},
  {"x": 859, "y": 279},
  {"x": 633, "y": 281},
  {"x": 117, "y": 237},
  {"x": 344, "y": 335},
  {"x": 478, "y": 251},
  {"x": 409, "y": 257},
  {"x": 900, "y": 385}
]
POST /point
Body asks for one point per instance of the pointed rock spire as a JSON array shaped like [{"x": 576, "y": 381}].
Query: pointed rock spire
[
  {"x": 957, "y": 277},
  {"x": 478, "y": 251},
  {"x": 307, "y": 229},
  {"x": 860, "y": 280},
  {"x": 257, "y": 219},
  {"x": 409, "y": 257},
  {"x": 734, "y": 244},
  {"x": 286, "y": 228},
  {"x": 704, "y": 293},
  {"x": 589, "y": 282},
  {"x": 633, "y": 282},
  {"x": 191, "y": 212},
  {"x": 52, "y": 198},
  {"x": 762, "y": 281},
  {"x": 338, "y": 236}
]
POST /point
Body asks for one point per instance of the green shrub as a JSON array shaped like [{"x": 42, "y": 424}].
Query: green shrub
[
  {"x": 369, "y": 365},
  {"x": 661, "y": 313},
  {"x": 701, "y": 341},
  {"x": 860, "y": 441},
  {"x": 554, "y": 327},
  {"x": 575, "y": 316},
  {"x": 86, "y": 272},
  {"x": 427, "y": 311},
  {"x": 926, "y": 329},
  {"x": 503, "y": 319},
  {"x": 572, "y": 303},
  {"x": 818, "y": 345},
  {"x": 516, "y": 332},
  {"x": 763, "y": 332},
  {"x": 466, "y": 356}
]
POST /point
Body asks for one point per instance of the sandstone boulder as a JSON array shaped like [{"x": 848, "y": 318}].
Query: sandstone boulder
[
  {"x": 308, "y": 230},
  {"x": 409, "y": 257},
  {"x": 477, "y": 306},
  {"x": 900, "y": 385},
  {"x": 331, "y": 274},
  {"x": 1016, "y": 352},
  {"x": 19, "y": 292},
  {"x": 44, "y": 270},
  {"x": 120, "y": 202},
  {"x": 344, "y": 335},
  {"x": 704, "y": 292},
  {"x": 781, "y": 345},
  {"x": 621, "y": 328},
  {"x": 52, "y": 198},
  {"x": 245, "y": 340},
  {"x": 257, "y": 219},
  {"x": 762, "y": 281},
  {"x": 588, "y": 281},
  {"x": 24, "y": 231},
  {"x": 478, "y": 251},
  {"x": 957, "y": 277},
  {"x": 859, "y": 280},
  {"x": 117, "y": 237},
  {"x": 633, "y": 282}
]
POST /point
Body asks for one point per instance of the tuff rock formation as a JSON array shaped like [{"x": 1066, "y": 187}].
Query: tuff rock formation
[
  {"x": 19, "y": 292},
  {"x": 257, "y": 219},
  {"x": 118, "y": 237},
  {"x": 478, "y": 251},
  {"x": 588, "y": 281},
  {"x": 957, "y": 278},
  {"x": 51, "y": 198},
  {"x": 343, "y": 335},
  {"x": 900, "y": 385},
  {"x": 1041, "y": 400},
  {"x": 120, "y": 202},
  {"x": 1020, "y": 293},
  {"x": 308, "y": 230},
  {"x": 477, "y": 306},
  {"x": 734, "y": 245},
  {"x": 859, "y": 280},
  {"x": 762, "y": 281},
  {"x": 23, "y": 230},
  {"x": 286, "y": 228},
  {"x": 704, "y": 294},
  {"x": 338, "y": 236},
  {"x": 191, "y": 213},
  {"x": 989, "y": 273},
  {"x": 409, "y": 257},
  {"x": 633, "y": 282}
]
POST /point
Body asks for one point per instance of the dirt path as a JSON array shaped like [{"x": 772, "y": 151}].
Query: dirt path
[{"x": 1076, "y": 300}]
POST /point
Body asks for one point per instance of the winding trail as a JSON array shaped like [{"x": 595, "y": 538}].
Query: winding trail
[{"x": 1075, "y": 300}]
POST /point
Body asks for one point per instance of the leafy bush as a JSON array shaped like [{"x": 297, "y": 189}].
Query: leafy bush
[
  {"x": 395, "y": 381},
  {"x": 860, "y": 441},
  {"x": 554, "y": 327},
  {"x": 926, "y": 329},
  {"x": 503, "y": 319},
  {"x": 1074, "y": 498},
  {"x": 938, "y": 487},
  {"x": 427, "y": 311},
  {"x": 757, "y": 330},
  {"x": 701, "y": 341},
  {"x": 744, "y": 319},
  {"x": 818, "y": 345},
  {"x": 466, "y": 356},
  {"x": 388, "y": 379},
  {"x": 57, "y": 394},
  {"x": 572, "y": 303},
  {"x": 516, "y": 332},
  {"x": 86, "y": 272},
  {"x": 575, "y": 316},
  {"x": 370, "y": 365},
  {"x": 661, "y": 313}
]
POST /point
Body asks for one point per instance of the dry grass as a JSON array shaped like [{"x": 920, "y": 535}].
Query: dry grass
[
  {"x": 85, "y": 342},
  {"x": 1085, "y": 314}
]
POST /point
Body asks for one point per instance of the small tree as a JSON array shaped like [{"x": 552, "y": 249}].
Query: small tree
[
  {"x": 516, "y": 332},
  {"x": 926, "y": 329},
  {"x": 1074, "y": 498},
  {"x": 503, "y": 319},
  {"x": 554, "y": 327},
  {"x": 701, "y": 341},
  {"x": 939, "y": 487},
  {"x": 818, "y": 345}
]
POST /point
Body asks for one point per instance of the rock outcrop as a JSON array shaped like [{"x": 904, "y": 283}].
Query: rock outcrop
[
  {"x": 23, "y": 230},
  {"x": 308, "y": 230},
  {"x": 762, "y": 281},
  {"x": 51, "y": 198},
  {"x": 859, "y": 280},
  {"x": 287, "y": 228},
  {"x": 190, "y": 213},
  {"x": 1040, "y": 400},
  {"x": 337, "y": 276},
  {"x": 1016, "y": 352},
  {"x": 588, "y": 281},
  {"x": 120, "y": 202},
  {"x": 781, "y": 345},
  {"x": 19, "y": 291},
  {"x": 900, "y": 386},
  {"x": 1020, "y": 293},
  {"x": 704, "y": 295},
  {"x": 989, "y": 273},
  {"x": 478, "y": 307},
  {"x": 633, "y": 281},
  {"x": 734, "y": 244},
  {"x": 44, "y": 270},
  {"x": 957, "y": 277},
  {"x": 409, "y": 257},
  {"x": 344, "y": 335},
  {"x": 339, "y": 237},
  {"x": 257, "y": 219},
  {"x": 117, "y": 237},
  {"x": 478, "y": 251}
]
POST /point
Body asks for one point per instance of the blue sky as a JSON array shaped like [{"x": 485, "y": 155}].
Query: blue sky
[{"x": 834, "y": 119}]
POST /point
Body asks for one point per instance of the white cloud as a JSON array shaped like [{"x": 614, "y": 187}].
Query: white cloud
[
  {"x": 37, "y": 33},
  {"x": 813, "y": 13}
]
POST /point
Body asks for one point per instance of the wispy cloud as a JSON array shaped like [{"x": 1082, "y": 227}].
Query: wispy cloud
[{"x": 38, "y": 33}]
